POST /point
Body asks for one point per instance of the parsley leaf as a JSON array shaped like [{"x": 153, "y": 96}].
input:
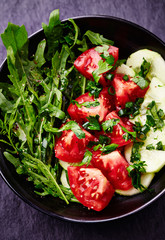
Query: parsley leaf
[
  {"x": 109, "y": 124},
  {"x": 86, "y": 159},
  {"x": 109, "y": 148},
  {"x": 129, "y": 135},
  {"x": 118, "y": 63},
  {"x": 103, "y": 67},
  {"x": 140, "y": 81},
  {"x": 86, "y": 104},
  {"x": 139, "y": 78},
  {"x": 141, "y": 130},
  {"x": 102, "y": 49},
  {"x": 93, "y": 123},
  {"x": 135, "y": 170},
  {"x": 150, "y": 147},
  {"x": 131, "y": 108},
  {"x": 102, "y": 140},
  {"x": 154, "y": 119},
  {"x": 109, "y": 59},
  {"x": 135, "y": 155},
  {"x": 94, "y": 88},
  {"x": 160, "y": 146},
  {"x": 145, "y": 67}
]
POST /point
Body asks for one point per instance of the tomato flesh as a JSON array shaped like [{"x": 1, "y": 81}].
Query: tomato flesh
[
  {"x": 87, "y": 62},
  {"x": 90, "y": 187},
  {"x": 117, "y": 134},
  {"x": 80, "y": 114},
  {"x": 70, "y": 148},
  {"x": 126, "y": 91},
  {"x": 114, "y": 167}
]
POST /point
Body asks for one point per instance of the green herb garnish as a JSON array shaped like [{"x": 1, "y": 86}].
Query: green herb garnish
[
  {"x": 109, "y": 124},
  {"x": 86, "y": 104},
  {"x": 87, "y": 159},
  {"x": 93, "y": 123}
]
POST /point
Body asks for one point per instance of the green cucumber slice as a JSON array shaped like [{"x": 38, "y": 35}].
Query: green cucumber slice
[
  {"x": 126, "y": 70},
  {"x": 135, "y": 61},
  {"x": 64, "y": 180},
  {"x": 146, "y": 180}
]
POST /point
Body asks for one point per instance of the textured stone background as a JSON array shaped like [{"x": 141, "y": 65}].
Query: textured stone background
[{"x": 17, "y": 219}]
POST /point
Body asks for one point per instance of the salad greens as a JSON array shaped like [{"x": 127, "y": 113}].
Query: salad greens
[
  {"x": 34, "y": 101},
  {"x": 33, "y": 104}
]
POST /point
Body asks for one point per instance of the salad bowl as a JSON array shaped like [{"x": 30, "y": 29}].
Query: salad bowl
[{"x": 128, "y": 37}]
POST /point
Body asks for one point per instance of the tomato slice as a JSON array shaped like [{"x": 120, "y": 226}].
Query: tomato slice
[
  {"x": 114, "y": 167},
  {"x": 117, "y": 134},
  {"x": 87, "y": 62},
  {"x": 69, "y": 148},
  {"x": 90, "y": 187},
  {"x": 80, "y": 114},
  {"x": 126, "y": 91}
]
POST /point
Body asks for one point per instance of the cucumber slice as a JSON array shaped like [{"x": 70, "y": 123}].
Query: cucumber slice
[
  {"x": 64, "y": 165},
  {"x": 128, "y": 152},
  {"x": 155, "y": 137},
  {"x": 146, "y": 180},
  {"x": 126, "y": 70},
  {"x": 154, "y": 159},
  {"x": 157, "y": 69},
  {"x": 156, "y": 92},
  {"x": 64, "y": 180}
]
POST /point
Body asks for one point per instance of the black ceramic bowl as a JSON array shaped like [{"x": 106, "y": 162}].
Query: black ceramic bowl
[{"x": 128, "y": 37}]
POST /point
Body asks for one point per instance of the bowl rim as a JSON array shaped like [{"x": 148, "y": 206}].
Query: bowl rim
[{"x": 58, "y": 216}]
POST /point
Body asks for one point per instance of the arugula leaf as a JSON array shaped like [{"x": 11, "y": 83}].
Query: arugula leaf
[
  {"x": 76, "y": 32},
  {"x": 16, "y": 38},
  {"x": 70, "y": 125},
  {"x": 5, "y": 105},
  {"x": 39, "y": 58},
  {"x": 15, "y": 161},
  {"x": 52, "y": 111},
  {"x": 97, "y": 39},
  {"x": 53, "y": 33},
  {"x": 109, "y": 124},
  {"x": 93, "y": 123}
]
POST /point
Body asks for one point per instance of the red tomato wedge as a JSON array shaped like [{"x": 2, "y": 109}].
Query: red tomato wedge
[
  {"x": 87, "y": 62},
  {"x": 114, "y": 167},
  {"x": 80, "y": 114},
  {"x": 69, "y": 148},
  {"x": 126, "y": 91},
  {"x": 90, "y": 187},
  {"x": 117, "y": 134}
]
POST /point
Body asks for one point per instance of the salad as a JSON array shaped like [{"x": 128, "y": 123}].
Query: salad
[{"x": 78, "y": 122}]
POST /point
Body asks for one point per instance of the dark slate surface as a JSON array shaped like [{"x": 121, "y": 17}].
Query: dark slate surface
[{"x": 17, "y": 219}]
